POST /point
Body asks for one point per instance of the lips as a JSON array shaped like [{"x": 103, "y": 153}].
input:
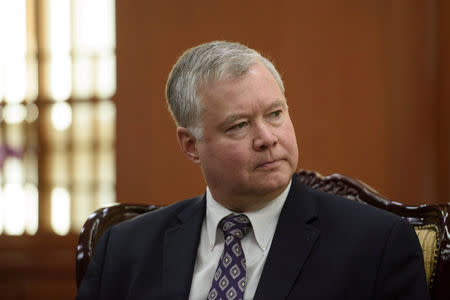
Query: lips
[{"x": 269, "y": 164}]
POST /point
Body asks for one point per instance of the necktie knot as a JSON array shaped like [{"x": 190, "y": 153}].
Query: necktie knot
[{"x": 235, "y": 225}]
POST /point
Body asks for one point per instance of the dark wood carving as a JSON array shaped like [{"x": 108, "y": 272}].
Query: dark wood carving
[{"x": 423, "y": 215}]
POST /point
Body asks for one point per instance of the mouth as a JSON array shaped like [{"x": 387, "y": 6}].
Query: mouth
[{"x": 269, "y": 164}]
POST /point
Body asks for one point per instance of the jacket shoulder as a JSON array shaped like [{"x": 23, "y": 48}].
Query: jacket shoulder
[{"x": 162, "y": 217}]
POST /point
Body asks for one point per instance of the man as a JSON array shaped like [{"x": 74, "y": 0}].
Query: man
[{"x": 257, "y": 233}]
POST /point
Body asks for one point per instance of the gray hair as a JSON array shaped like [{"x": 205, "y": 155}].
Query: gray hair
[{"x": 200, "y": 65}]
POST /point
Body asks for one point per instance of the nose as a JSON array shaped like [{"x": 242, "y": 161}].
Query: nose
[{"x": 264, "y": 138}]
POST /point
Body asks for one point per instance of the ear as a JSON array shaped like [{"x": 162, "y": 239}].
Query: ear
[{"x": 188, "y": 144}]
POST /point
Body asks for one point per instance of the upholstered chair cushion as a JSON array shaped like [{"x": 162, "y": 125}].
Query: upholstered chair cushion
[{"x": 428, "y": 241}]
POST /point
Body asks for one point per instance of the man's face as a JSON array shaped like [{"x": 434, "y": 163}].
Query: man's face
[{"x": 248, "y": 151}]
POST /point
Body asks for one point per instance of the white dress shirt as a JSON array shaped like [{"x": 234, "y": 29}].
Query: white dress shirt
[{"x": 256, "y": 244}]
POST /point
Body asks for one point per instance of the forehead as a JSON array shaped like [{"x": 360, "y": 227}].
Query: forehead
[{"x": 256, "y": 86}]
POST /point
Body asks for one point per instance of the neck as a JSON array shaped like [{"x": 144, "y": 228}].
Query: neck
[{"x": 246, "y": 203}]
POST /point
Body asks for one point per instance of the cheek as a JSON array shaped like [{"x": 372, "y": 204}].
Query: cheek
[
  {"x": 231, "y": 156},
  {"x": 293, "y": 141},
  {"x": 290, "y": 140}
]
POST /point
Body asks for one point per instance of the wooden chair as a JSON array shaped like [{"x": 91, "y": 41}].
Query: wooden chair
[{"x": 431, "y": 222}]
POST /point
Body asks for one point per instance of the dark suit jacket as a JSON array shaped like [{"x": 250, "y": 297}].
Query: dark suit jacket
[{"x": 324, "y": 247}]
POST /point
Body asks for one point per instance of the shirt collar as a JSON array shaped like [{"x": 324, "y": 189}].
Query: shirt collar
[{"x": 264, "y": 221}]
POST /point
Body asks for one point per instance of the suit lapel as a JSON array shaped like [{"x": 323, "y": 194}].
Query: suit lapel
[
  {"x": 180, "y": 249},
  {"x": 293, "y": 240}
]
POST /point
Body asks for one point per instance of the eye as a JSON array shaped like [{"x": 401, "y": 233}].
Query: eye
[
  {"x": 276, "y": 113},
  {"x": 238, "y": 126}
]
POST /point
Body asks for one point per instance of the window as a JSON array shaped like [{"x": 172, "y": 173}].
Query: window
[{"x": 57, "y": 120}]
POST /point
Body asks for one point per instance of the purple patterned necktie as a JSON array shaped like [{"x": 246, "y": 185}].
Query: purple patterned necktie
[{"x": 229, "y": 280}]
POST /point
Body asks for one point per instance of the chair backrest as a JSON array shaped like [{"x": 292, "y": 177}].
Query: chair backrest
[
  {"x": 431, "y": 222},
  {"x": 96, "y": 224}
]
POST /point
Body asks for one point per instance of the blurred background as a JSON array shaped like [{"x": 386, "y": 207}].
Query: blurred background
[{"x": 84, "y": 124}]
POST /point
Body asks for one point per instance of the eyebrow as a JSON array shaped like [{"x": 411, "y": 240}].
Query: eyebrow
[
  {"x": 232, "y": 118},
  {"x": 277, "y": 103}
]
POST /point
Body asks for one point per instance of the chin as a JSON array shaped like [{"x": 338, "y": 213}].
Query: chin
[
  {"x": 282, "y": 177},
  {"x": 272, "y": 184}
]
